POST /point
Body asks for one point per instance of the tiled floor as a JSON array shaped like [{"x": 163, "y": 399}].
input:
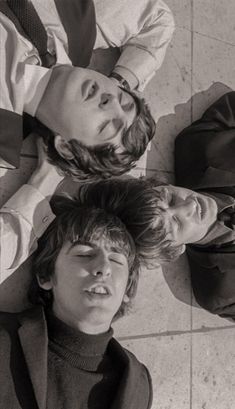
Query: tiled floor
[{"x": 190, "y": 353}]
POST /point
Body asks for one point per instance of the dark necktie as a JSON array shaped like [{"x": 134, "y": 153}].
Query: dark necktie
[{"x": 33, "y": 28}]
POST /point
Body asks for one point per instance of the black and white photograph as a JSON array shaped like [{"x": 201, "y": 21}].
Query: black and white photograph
[{"x": 117, "y": 204}]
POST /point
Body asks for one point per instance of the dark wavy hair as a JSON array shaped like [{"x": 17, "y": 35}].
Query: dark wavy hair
[
  {"x": 103, "y": 161},
  {"x": 75, "y": 222},
  {"x": 137, "y": 204}
]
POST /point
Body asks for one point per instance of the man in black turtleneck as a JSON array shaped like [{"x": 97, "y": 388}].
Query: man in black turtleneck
[{"x": 61, "y": 354}]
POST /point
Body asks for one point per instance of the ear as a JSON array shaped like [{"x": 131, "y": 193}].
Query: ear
[
  {"x": 46, "y": 285},
  {"x": 62, "y": 147},
  {"x": 183, "y": 248}
]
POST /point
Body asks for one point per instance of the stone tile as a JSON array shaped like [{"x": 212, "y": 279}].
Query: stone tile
[
  {"x": 213, "y": 375},
  {"x": 156, "y": 310},
  {"x": 169, "y": 95},
  {"x": 168, "y": 360},
  {"x": 14, "y": 179},
  {"x": 202, "y": 100},
  {"x": 213, "y": 71},
  {"x": 204, "y": 319},
  {"x": 215, "y": 19},
  {"x": 182, "y": 12}
]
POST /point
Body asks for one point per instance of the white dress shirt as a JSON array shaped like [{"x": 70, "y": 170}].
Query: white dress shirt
[
  {"x": 141, "y": 29},
  {"x": 23, "y": 219}
]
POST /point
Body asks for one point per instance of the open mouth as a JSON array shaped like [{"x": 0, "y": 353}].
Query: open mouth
[
  {"x": 98, "y": 290},
  {"x": 201, "y": 208}
]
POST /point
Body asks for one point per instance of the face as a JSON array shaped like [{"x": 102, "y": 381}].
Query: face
[
  {"x": 188, "y": 214},
  {"x": 88, "y": 285},
  {"x": 85, "y": 105}
]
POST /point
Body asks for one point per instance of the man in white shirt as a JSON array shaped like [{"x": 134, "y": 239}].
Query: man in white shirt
[{"x": 121, "y": 125}]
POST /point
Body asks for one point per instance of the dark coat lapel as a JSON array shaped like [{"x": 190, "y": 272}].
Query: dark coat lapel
[
  {"x": 213, "y": 178},
  {"x": 33, "y": 327},
  {"x": 135, "y": 389},
  {"x": 11, "y": 131},
  {"x": 223, "y": 258}
]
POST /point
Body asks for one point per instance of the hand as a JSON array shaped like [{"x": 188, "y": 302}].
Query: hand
[{"x": 46, "y": 177}]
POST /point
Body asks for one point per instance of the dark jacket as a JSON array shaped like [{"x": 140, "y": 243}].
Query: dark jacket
[
  {"x": 23, "y": 366},
  {"x": 205, "y": 161},
  {"x": 78, "y": 20}
]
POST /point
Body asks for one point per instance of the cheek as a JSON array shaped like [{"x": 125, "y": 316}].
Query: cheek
[
  {"x": 122, "y": 282},
  {"x": 87, "y": 127}
]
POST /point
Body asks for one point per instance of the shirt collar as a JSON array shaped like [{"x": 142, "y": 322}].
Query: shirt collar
[
  {"x": 219, "y": 233},
  {"x": 37, "y": 77}
]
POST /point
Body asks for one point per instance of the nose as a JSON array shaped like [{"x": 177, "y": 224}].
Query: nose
[
  {"x": 186, "y": 209},
  {"x": 102, "y": 267}
]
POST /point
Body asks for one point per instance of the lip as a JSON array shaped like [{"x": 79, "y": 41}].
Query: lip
[
  {"x": 89, "y": 291},
  {"x": 198, "y": 209},
  {"x": 203, "y": 208}
]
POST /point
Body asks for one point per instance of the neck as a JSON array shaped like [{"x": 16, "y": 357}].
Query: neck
[
  {"x": 82, "y": 325},
  {"x": 45, "y": 110}
]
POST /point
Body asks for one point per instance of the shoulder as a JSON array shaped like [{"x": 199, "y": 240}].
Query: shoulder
[
  {"x": 11, "y": 321},
  {"x": 136, "y": 376}
]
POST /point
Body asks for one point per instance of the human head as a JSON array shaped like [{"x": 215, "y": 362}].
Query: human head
[
  {"x": 188, "y": 215},
  {"x": 98, "y": 129},
  {"x": 160, "y": 218},
  {"x": 82, "y": 248}
]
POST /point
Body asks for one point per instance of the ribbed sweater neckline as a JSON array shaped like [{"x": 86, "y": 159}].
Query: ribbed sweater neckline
[{"x": 83, "y": 351}]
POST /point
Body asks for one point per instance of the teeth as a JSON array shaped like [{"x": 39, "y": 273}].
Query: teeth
[
  {"x": 98, "y": 290},
  {"x": 200, "y": 209}
]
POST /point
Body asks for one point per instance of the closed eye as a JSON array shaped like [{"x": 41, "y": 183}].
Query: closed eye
[
  {"x": 172, "y": 200},
  {"x": 176, "y": 220},
  {"x": 118, "y": 258},
  {"x": 83, "y": 255},
  {"x": 117, "y": 261},
  {"x": 126, "y": 106}
]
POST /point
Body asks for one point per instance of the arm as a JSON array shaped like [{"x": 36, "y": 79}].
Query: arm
[
  {"x": 141, "y": 29},
  {"x": 209, "y": 143},
  {"x": 25, "y": 217}
]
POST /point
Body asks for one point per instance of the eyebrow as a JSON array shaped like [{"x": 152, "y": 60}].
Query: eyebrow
[
  {"x": 81, "y": 243},
  {"x": 92, "y": 245}
]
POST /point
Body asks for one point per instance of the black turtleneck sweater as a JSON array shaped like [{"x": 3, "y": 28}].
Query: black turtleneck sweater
[{"x": 81, "y": 372}]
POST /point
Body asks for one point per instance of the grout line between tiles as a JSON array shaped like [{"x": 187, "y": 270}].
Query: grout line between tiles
[
  {"x": 202, "y": 330},
  {"x": 207, "y": 36}
]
